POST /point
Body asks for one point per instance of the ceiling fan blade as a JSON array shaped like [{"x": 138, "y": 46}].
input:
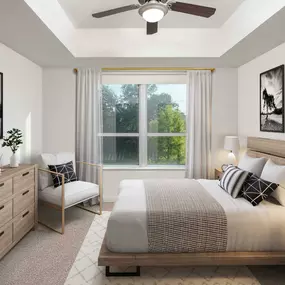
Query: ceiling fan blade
[
  {"x": 151, "y": 28},
  {"x": 116, "y": 11},
  {"x": 192, "y": 9}
]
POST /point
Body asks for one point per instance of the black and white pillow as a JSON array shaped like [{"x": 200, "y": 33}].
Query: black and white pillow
[
  {"x": 233, "y": 179},
  {"x": 256, "y": 189},
  {"x": 66, "y": 169}
]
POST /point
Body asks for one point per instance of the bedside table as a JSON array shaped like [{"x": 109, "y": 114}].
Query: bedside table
[{"x": 218, "y": 174}]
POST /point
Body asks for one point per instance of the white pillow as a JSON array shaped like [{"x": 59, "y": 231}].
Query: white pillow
[
  {"x": 275, "y": 173},
  {"x": 252, "y": 164},
  {"x": 45, "y": 179},
  {"x": 279, "y": 195}
]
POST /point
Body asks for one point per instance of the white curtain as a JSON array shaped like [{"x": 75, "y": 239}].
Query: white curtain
[
  {"x": 88, "y": 123},
  {"x": 199, "y": 104}
]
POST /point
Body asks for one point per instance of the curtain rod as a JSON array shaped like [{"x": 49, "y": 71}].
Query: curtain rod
[{"x": 153, "y": 69}]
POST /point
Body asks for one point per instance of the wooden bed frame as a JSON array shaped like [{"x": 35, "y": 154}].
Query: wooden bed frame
[{"x": 257, "y": 147}]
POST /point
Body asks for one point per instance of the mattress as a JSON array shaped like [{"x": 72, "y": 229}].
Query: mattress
[{"x": 259, "y": 228}]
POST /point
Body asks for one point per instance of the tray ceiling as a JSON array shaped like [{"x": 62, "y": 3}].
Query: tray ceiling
[{"x": 240, "y": 38}]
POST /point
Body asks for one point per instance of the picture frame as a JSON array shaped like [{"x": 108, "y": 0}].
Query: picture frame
[
  {"x": 1, "y": 105},
  {"x": 272, "y": 100}
]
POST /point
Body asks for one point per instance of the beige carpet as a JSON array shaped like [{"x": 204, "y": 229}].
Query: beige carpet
[
  {"x": 44, "y": 257},
  {"x": 85, "y": 269}
]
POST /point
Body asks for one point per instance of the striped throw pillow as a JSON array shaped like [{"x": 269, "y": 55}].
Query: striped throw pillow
[{"x": 233, "y": 180}]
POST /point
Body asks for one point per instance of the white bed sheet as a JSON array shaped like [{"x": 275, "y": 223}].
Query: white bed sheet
[{"x": 260, "y": 228}]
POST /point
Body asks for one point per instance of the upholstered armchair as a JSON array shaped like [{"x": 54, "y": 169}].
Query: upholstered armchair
[{"x": 69, "y": 193}]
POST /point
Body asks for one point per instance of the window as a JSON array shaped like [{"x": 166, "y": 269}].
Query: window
[
  {"x": 166, "y": 104},
  {"x": 144, "y": 124},
  {"x": 121, "y": 124}
]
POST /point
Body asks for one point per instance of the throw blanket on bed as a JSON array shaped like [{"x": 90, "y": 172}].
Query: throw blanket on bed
[{"x": 183, "y": 217}]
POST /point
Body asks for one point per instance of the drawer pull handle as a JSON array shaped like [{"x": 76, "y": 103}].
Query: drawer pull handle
[
  {"x": 2, "y": 207},
  {"x": 26, "y": 214},
  {"x": 26, "y": 192},
  {"x": 24, "y": 174},
  {"x": 1, "y": 234},
  {"x": 2, "y": 184}
]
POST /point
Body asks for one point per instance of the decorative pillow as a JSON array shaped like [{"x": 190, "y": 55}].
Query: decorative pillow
[
  {"x": 233, "y": 180},
  {"x": 275, "y": 173},
  {"x": 45, "y": 159},
  {"x": 256, "y": 189},
  {"x": 66, "y": 169},
  {"x": 252, "y": 164}
]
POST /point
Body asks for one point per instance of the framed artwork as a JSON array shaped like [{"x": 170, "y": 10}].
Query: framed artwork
[
  {"x": 1, "y": 105},
  {"x": 272, "y": 100}
]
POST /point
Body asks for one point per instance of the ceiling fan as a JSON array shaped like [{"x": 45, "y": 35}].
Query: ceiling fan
[{"x": 154, "y": 10}]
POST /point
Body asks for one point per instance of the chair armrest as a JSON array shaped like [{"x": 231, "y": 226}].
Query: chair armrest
[
  {"x": 52, "y": 172},
  {"x": 99, "y": 166},
  {"x": 62, "y": 182},
  {"x": 91, "y": 164}
]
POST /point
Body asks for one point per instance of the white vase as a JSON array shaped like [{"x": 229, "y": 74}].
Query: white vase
[{"x": 14, "y": 162}]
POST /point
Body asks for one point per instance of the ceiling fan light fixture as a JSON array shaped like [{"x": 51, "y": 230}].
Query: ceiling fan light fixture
[
  {"x": 153, "y": 15},
  {"x": 153, "y": 11}
]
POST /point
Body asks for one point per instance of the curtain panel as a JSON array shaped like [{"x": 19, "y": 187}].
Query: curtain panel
[
  {"x": 198, "y": 124},
  {"x": 88, "y": 123}
]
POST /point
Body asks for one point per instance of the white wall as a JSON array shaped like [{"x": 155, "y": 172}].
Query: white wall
[
  {"x": 248, "y": 93},
  {"x": 224, "y": 112},
  {"x": 59, "y": 135},
  {"x": 22, "y": 106},
  {"x": 58, "y": 110}
]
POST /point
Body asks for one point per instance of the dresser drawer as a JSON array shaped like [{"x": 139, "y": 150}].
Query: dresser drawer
[
  {"x": 23, "y": 180},
  {"x": 6, "y": 237},
  {"x": 6, "y": 212},
  {"x": 6, "y": 189},
  {"x": 23, "y": 222},
  {"x": 23, "y": 200}
]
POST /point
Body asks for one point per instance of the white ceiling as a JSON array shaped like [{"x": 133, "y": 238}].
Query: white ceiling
[
  {"x": 24, "y": 32},
  {"x": 79, "y": 12}
]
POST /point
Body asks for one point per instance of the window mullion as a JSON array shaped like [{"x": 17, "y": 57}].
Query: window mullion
[{"x": 143, "y": 125}]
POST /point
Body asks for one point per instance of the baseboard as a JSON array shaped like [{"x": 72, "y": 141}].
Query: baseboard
[{"x": 109, "y": 199}]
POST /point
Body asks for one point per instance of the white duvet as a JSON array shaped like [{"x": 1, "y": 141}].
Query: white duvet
[{"x": 260, "y": 228}]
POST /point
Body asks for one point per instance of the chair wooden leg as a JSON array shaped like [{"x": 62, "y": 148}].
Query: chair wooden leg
[
  {"x": 62, "y": 210},
  {"x": 101, "y": 205},
  {"x": 62, "y": 221}
]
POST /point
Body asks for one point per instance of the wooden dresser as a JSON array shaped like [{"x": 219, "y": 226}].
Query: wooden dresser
[{"x": 18, "y": 204}]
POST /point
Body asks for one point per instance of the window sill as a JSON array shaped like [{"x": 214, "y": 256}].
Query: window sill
[{"x": 139, "y": 168}]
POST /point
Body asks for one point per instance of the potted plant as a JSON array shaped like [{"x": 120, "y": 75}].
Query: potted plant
[{"x": 13, "y": 139}]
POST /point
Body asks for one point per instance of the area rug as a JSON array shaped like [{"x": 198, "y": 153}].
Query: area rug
[
  {"x": 45, "y": 257},
  {"x": 85, "y": 269}
]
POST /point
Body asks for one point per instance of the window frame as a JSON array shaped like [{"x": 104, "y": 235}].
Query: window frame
[{"x": 143, "y": 133}]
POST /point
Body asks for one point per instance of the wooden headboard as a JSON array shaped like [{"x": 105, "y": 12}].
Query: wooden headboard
[{"x": 268, "y": 148}]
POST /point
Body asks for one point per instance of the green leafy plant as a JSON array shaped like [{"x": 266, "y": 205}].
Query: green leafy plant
[{"x": 13, "y": 139}]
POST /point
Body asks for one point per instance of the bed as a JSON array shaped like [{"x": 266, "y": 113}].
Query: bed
[{"x": 255, "y": 235}]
